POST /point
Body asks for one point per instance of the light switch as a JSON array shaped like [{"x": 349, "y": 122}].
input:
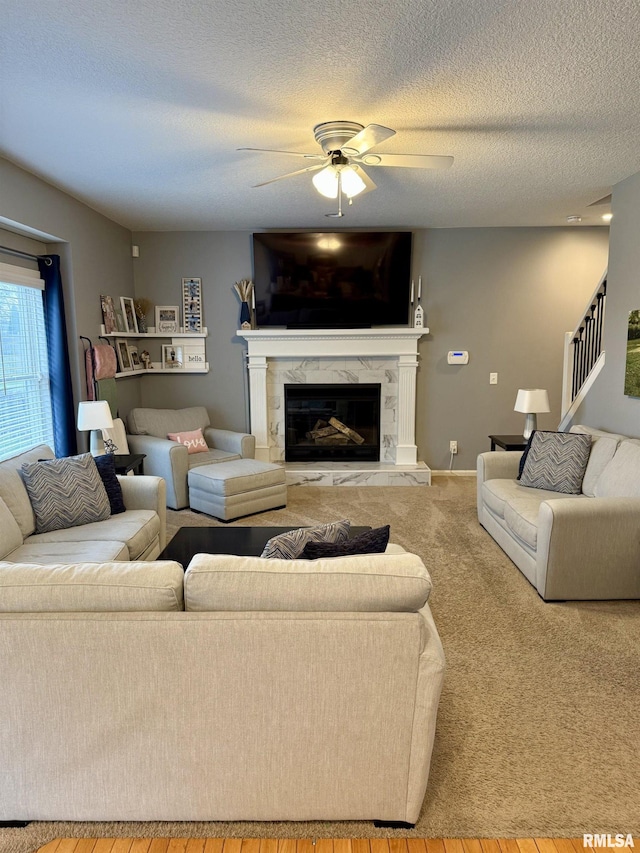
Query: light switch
[{"x": 493, "y": 379}]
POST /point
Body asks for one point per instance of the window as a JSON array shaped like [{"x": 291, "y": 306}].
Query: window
[{"x": 25, "y": 400}]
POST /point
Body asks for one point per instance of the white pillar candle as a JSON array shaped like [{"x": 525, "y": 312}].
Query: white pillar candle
[
  {"x": 412, "y": 291},
  {"x": 419, "y": 286}
]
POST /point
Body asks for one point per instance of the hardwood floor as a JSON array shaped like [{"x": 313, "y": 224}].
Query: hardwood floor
[{"x": 307, "y": 845}]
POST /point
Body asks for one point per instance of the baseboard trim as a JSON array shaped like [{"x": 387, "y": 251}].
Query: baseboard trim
[{"x": 448, "y": 473}]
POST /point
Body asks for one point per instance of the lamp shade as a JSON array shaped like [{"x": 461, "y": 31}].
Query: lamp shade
[
  {"x": 94, "y": 415},
  {"x": 530, "y": 400}
]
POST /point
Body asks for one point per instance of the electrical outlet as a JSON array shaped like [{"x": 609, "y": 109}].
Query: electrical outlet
[
  {"x": 493, "y": 379},
  {"x": 453, "y": 447}
]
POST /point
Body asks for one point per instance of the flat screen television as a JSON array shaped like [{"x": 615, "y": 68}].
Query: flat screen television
[{"x": 346, "y": 279}]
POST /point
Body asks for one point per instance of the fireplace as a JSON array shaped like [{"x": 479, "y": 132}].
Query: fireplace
[{"x": 337, "y": 421}]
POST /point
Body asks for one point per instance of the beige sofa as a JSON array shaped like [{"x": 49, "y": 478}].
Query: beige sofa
[
  {"x": 147, "y": 431},
  {"x": 247, "y": 689},
  {"x": 137, "y": 534},
  {"x": 570, "y": 547}
]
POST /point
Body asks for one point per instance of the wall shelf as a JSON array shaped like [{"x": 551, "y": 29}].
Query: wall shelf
[
  {"x": 141, "y": 335},
  {"x": 177, "y": 338},
  {"x": 130, "y": 374}
]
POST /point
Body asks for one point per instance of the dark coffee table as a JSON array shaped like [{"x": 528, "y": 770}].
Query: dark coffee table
[{"x": 243, "y": 541}]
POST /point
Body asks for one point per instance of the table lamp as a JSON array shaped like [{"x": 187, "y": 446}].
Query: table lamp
[
  {"x": 95, "y": 416},
  {"x": 531, "y": 401}
]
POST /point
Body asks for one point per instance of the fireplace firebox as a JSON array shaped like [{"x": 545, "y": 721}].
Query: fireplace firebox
[{"x": 324, "y": 422}]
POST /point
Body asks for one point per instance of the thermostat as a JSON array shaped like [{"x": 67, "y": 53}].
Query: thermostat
[{"x": 458, "y": 357}]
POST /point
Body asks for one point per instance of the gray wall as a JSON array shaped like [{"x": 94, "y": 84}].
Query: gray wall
[
  {"x": 95, "y": 258},
  {"x": 606, "y": 406},
  {"x": 507, "y": 295},
  {"x": 218, "y": 258}
]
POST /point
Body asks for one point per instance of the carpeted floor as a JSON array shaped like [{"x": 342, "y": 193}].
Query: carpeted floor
[{"x": 538, "y": 731}]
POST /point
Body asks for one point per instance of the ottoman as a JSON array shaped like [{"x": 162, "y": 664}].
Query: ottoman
[{"x": 229, "y": 490}]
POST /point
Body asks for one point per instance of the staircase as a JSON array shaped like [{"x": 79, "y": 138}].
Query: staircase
[{"x": 583, "y": 354}]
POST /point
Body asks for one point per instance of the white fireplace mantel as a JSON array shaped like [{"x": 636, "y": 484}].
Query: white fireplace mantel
[
  {"x": 397, "y": 343},
  {"x": 344, "y": 343}
]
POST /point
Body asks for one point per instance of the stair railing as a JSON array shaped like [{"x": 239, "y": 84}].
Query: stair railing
[{"x": 583, "y": 352}]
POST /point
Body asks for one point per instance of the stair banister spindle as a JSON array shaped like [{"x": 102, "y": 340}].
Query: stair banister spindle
[
  {"x": 588, "y": 331},
  {"x": 578, "y": 357}
]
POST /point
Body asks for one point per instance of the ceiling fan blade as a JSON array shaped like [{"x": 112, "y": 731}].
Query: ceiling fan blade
[
  {"x": 325, "y": 161},
  {"x": 290, "y": 153},
  {"x": 408, "y": 161},
  {"x": 372, "y": 134}
]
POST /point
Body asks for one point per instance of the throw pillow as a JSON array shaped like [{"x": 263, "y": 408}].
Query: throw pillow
[
  {"x": 289, "y": 546},
  {"x": 65, "y": 492},
  {"x": 370, "y": 542},
  {"x": 556, "y": 461},
  {"x": 106, "y": 466},
  {"x": 194, "y": 440}
]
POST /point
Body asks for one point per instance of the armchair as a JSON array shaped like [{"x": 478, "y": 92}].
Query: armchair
[{"x": 147, "y": 433}]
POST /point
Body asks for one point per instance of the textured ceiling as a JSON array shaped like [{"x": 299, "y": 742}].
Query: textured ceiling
[{"x": 137, "y": 108}]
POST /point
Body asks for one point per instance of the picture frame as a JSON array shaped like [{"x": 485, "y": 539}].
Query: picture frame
[
  {"x": 192, "y": 304},
  {"x": 129, "y": 314},
  {"x": 120, "y": 321},
  {"x": 122, "y": 354},
  {"x": 109, "y": 318},
  {"x": 167, "y": 318},
  {"x": 172, "y": 357},
  {"x": 136, "y": 364}
]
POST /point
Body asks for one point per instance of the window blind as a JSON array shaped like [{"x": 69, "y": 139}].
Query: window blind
[{"x": 25, "y": 401}]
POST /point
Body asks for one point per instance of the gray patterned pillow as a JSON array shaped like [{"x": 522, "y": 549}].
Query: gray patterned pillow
[
  {"x": 556, "y": 461},
  {"x": 289, "y": 546},
  {"x": 65, "y": 492}
]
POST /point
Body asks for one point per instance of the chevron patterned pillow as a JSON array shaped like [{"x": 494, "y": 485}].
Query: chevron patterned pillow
[
  {"x": 289, "y": 546},
  {"x": 556, "y": 461},
  {"x": 65, "y": 492}
]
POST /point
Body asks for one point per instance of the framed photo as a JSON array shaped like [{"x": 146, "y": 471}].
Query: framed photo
[
  {"x": 167, "y": 318},
  {"x": 120, "y": 321},
  {"x": 108, "y": 315},
  {"x": 135, "y": 358},
  {"x": 192, "y": 304},
  {"x": 122, "y": 352},
  {"x": 129, "y": 314},
  {"x": 172, "y": 357}
]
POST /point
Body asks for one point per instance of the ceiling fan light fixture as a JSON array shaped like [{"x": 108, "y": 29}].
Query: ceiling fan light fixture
[
  {"x": 326, "y": 182},
  {"x": 352, "y": 183}
]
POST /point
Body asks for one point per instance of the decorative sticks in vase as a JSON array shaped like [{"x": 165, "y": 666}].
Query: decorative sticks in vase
[{"x": 245, "y": 291}]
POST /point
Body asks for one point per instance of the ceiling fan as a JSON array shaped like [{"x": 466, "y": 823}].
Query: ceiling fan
[{"x": 346, "y": 146}]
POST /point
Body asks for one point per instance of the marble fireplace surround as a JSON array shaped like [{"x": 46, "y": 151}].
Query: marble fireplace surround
[{"x": 385, "y": 355}]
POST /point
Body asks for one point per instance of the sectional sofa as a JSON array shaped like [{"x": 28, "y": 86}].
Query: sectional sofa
[
  {"x": 139, "y": 533},
  {"x": 243, "y": 689}
]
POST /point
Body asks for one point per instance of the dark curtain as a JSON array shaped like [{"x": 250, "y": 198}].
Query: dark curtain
[{"x": 64, "y": 425}]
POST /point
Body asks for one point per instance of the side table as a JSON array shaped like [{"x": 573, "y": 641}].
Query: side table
[
  {"x": 126, "y": 462},
  {"x": 508, "y": 442}
]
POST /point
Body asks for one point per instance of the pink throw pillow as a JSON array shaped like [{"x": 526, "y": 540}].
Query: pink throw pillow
[{"x": 193, "y": 441}]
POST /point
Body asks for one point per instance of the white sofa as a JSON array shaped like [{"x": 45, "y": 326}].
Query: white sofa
[
  {"x": 570, "y": 547},
  {"x": 137, "y": 534},
  {"x": 249, "y": 689}
]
